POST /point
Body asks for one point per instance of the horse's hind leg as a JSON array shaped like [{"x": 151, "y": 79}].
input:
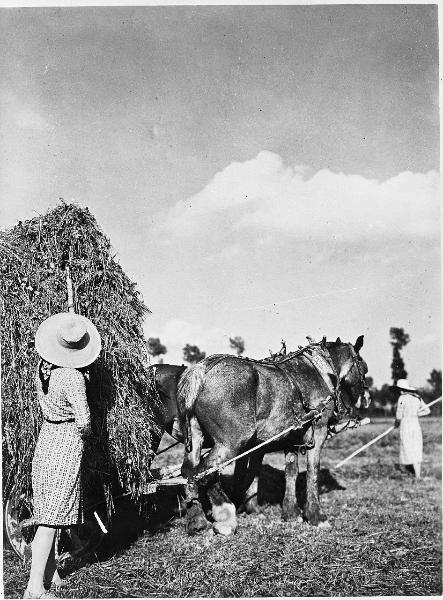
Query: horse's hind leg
[
  {"x": 192, "y": 458},
  {"x": 246, "y": 476},
  {"x": 195, "y": 517},
  {"x": 290, "y": 510},
  {"x": 223, "y": 510}
]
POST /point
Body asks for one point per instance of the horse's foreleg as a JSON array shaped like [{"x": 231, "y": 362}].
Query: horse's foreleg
[
  {"x": 290, "y": 510},
  {"x": 311, "y": 512}
]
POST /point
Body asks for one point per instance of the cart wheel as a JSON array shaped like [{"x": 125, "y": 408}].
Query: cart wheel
[
  {"x": 75, "y": 543},
  {"x": 16, "y": 511}
]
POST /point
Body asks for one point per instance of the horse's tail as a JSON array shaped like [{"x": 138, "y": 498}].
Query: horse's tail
[{"x": 188, "y": 389}]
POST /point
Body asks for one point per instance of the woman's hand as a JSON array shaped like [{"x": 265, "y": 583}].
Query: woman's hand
[{"x": 397, "y": 423}]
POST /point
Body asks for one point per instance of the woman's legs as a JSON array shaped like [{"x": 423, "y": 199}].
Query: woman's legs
[
  {"x": 51, "y": 574},
  {"x": 41, "y": 549}
]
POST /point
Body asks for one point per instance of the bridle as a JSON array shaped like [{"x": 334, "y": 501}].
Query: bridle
[
  {"x": 341, "y": 407},
  {"x": 356, "y": 364}
]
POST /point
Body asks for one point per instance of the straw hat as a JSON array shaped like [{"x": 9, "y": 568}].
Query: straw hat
[
  {"x": 68, "y": 340},
  {"x": 403, "y": 384}
]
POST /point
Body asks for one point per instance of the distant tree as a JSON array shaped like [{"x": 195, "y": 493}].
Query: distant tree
[
  {"x": 237, "y": 343},
  {"x": 383, "y": 400},
  {"x": 156, "y": 348},
  {"x": 432, "y": 391},
  {"x": 369, "y": 381},
  {"x": 399, "y": 339},
  {"x": 435, "y": 383},
  {"x": 193, "y": 354}
]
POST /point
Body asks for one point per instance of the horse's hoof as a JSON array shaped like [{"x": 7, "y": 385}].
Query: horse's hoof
[
  {"x": 225, "y": 519},
  {"x": 292, "y": 518},
  {"x": 197, "y": 524},
  {"x": 291, "y": 513},
  {"x": 224, "y": 528},
  {"x": 223, "y": 512},
  {"x": 196, "y": 520},
  {"x": 311, "y": 518},
  {"x": 252, "y": 507},
  {"x": 324, "y": 525}
]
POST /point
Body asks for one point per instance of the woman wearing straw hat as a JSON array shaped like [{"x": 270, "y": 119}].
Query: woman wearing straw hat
[
  {"x": 410, "y": 406},
  {"x": 66, "y": 343}
]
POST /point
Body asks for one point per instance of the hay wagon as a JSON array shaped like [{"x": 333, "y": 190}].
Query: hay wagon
[{"x": 36, "y": 257}]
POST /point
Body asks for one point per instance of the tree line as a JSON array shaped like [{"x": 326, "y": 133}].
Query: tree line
[
  {"x": 384, "y": 399},
  {"x": 191, "y": 353}
]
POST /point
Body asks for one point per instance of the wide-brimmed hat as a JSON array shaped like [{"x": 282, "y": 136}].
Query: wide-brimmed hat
[
  {"x": 403, "y": 384},
  {"x": 68, "y": 340}
]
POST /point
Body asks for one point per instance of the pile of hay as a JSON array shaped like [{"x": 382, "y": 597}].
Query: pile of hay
[{"x": 33, "y": 256}]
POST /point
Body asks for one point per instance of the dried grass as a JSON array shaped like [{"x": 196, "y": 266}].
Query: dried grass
[
  {"x": 33, "y": 255},
  {"x": 385, "y": 539}
]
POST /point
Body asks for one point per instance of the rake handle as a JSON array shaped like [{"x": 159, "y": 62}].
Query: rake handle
[{"x": 345, "y": 460}]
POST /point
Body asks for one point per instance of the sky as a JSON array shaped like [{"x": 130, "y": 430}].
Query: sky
[{"x": 269, "y": 172}]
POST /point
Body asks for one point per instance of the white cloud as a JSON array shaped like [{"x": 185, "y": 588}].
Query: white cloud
[
  {"x": 29, "y": 119},
  {"x": 20, "y": 113},
  {"x": 265, "y": 195}
]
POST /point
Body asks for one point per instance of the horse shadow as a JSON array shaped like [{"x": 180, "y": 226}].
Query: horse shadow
[
  {"x": 159, "y": 511},
  {"x": 271, "y": 486}
]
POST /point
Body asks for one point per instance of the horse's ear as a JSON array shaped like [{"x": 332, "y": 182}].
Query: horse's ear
[
  {"x": 323, "y": 343},
  {"x": 310, "y": 339},
  {"x": 338, "y": 341},
  {"x": 359, "y": 343}
]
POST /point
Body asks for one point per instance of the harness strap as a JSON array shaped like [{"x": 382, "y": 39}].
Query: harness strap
[
  {"x": 323, "y": 367},
  {"x": 309, "y": 417}
]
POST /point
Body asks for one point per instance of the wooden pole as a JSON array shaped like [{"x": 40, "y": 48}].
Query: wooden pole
[
  {"x": 342, "y": 462},
  {"x": 345, "y": 460},
  {"x": 70, "y": 292}
]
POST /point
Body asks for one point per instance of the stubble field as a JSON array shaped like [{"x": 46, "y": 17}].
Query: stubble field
[{"x": 385, "y": 536}]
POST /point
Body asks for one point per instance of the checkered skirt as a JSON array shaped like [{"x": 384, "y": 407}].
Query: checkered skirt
[{"x": 56, "y": 475}]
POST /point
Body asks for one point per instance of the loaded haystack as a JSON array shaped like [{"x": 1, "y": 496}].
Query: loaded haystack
[{"x": 33, "y": 260}]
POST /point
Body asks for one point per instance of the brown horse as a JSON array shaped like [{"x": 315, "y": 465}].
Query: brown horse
[
  {"x": 166, "y": 378},
  {"x": 238, "y": 403}
]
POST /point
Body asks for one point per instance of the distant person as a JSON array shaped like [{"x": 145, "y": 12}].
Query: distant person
[
  {"x": 66, "y": 343},
  {"x": 410, "y": 406}
]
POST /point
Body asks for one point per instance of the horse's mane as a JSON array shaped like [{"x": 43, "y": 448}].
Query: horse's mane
[{"x": 274, "y": 359}]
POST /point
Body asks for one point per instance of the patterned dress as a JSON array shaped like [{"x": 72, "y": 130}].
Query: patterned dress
[
  {"x": 409, "y": 408},
  {"x": 56, "y": 467}
]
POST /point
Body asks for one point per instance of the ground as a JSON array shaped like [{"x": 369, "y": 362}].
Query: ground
[{"x": 385, "y": 536}]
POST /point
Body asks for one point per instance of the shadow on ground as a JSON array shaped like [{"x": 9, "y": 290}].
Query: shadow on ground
[
  {"x": 271, "y": 485},
  {"x": 158, "y": 511}
]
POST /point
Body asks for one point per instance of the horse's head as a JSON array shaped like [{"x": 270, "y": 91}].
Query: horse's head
[{"x": 351, "y": 370}]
